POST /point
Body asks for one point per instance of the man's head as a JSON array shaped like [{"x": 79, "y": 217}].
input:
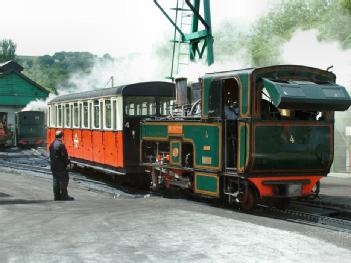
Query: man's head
[{"x": 59, "y": 135}]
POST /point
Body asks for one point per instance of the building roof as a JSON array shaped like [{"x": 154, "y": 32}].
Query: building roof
[
  {"x": 151, "y": 88},
  {"x": 9, "y": 66}
]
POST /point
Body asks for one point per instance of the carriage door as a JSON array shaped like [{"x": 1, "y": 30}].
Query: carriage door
[{"x": 231, "y": 115}]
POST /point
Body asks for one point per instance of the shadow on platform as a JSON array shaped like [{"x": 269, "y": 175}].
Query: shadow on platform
[{"x": 22, "y": 202}]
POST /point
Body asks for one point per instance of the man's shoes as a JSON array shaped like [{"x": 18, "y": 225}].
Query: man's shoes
[
  {"x": 57, "y": 198},
  {"x": 67, "y": 198}
]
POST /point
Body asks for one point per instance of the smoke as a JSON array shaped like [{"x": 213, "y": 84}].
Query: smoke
[
  {"x": 197, "y": 69},
  {"x": 39, "y": 105},
  {"x": 304, "y": 48},
  {"x": 129, "y": 69}
]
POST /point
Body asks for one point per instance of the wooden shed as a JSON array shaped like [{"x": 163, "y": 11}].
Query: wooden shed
[{"x": 16, "y": 91}]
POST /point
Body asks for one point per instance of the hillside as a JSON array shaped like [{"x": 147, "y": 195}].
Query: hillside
[{"x": 54, "y": 72}]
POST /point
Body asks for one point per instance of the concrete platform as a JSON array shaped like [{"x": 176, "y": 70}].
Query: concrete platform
[
  {"x": 336, "y": 190},
  {"x": 98, "y": 227}
]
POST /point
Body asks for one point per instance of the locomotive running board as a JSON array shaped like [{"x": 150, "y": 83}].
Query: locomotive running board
[{"x": 101, "y": 169}]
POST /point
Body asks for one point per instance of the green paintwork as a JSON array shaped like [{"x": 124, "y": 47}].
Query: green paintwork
[
  {"x": 243, "y": 149},
  {"x": 206, "y": 183},
  {"x": 292, "y": 147},
  {"x": 200, "y": 135},
  {"x": 245, "y": 99},
  {"x": 204, "y": 101},
  {"x": 154, "y": 131},
  {"x": 175, "y": 159},
  {"x": 306, "y": 95},
  {"x": 204, "y": 135},
  {"x": 15, "y": 90},
  {"x": 196, "y": 36}
]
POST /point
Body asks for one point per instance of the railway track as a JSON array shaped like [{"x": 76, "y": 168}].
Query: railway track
[
  {"x": 334, "y": 219},
  {"x": 301, "y": 212}
]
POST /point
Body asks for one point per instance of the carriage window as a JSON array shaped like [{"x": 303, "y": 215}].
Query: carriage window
[
  {"x": 85, "y": 115},
  {"x": 80, "y": 115},
  {"x": 96, "y": 114},
  {"x": 75, "y": 115},
  {"x": 49, "y": 117},
  {"x": 59, "y": 115},
  {"x": 114, "y": 110},
  {"x": 67, "y": 116},
  {"x": 53, "y": 116},
  {"x": 108, "y": 114},
  {"x": 166, "y": 105},
  {"x": 140, "y": 106}
]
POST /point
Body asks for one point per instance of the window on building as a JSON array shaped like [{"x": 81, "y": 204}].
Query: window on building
[
  {"x": 140, "y": 106},
  {"x": 108, "y": 114},
  {"x": 75, "y": 115},
  {"x": 96, "y": 110},
  {"x": 59, "y": 116}
]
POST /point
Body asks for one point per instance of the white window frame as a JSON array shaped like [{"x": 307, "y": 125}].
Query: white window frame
[
  {"x": 59, "y": 125},
  {"x": 119, "y": 114},
  {"x": 73, "y": 115},
  {"x": 80, "y": 112},
  {"x": 53, "y": 116},
  {"x": 105, "y": 115},
  {"x": 114, "y": 113},
  {"x": 65, "y": 115},
  {"x": 83, "y": 116},
  {"x": 48, "y": 120},
  {"x": 93, "y": 114}
]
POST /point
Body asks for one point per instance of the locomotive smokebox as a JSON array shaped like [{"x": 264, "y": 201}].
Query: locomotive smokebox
[{"x": 181, "y": 91}]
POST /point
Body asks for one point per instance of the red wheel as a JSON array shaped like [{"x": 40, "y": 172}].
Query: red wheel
[{"x": 248, "y": 200}]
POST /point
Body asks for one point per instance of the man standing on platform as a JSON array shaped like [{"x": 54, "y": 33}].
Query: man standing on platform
[{"x": 59, "y": 161}]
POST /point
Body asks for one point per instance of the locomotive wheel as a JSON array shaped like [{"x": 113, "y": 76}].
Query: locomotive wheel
[{"x": 248, "y": 200}]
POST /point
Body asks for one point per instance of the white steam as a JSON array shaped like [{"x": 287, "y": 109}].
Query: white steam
[
  {"x": 197, "y": 69},
  {"x": 129, "y": 69},
  {"x": 304, "y": 48},
  {"x": 39, "y": 105}
]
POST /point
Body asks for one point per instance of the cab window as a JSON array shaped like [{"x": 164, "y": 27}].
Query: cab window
[{"x": 166, "y": 105}]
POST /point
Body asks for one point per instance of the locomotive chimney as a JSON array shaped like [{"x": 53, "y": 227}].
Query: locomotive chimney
[{"x": 181, "y": 91}]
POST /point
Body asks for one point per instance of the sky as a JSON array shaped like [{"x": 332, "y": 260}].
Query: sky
[{"x": 117, "y": 27}]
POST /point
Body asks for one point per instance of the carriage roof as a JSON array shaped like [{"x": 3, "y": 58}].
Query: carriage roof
[{"x": 151, "y": 88}]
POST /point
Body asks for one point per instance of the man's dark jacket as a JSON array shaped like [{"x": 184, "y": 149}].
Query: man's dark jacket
[{"x": 58, "y": 157}]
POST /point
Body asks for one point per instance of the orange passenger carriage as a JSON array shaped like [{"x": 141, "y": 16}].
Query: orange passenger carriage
[{"x": 101, "y": 127}]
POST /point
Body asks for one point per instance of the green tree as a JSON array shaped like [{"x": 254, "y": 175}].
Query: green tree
[{"x": 7, "y": 50}]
